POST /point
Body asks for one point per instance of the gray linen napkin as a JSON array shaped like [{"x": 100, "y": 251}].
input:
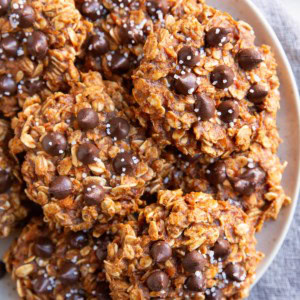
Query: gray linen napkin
[{"x": 282, "y": 280}]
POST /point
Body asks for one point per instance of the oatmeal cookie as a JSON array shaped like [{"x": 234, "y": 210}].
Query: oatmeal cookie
[
  {"x": 206, "y": 87},
  {"x": 50, "y": 263},
  {"x": 183, "y": 247},
  {"x": 39, "y": 41},
  {"x": 86, "y": 160}
]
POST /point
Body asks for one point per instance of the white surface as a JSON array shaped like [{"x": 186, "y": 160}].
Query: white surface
[{"x": 272, "y": 236}]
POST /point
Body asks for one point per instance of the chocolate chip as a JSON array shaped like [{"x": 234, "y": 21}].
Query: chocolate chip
[
  {"x": 204, "y": 107},
  {"x": 61, "y": 187},
  {"x": 54, "y": 143},
  {"x": 257, "y": 93},
  {"x": 161, "y": 251},
  {"x": 158, "y": 281},
  {"x": 235, "y": 272},
  {"x": 188, "y": 56},
  {"x": 216, "y": 173},
  {"x": 215, "y": 295},
  {"x": 5, "y": 181},
  {"x": 193, "y": 261},
  {"x": 10, "y": 46},
  {"x": 98, "y": 44},
  {"x": 102, "y": 291},
  {"x": 26, "y": 16},
  {"x": 123, "y": 163},
  {"x": 93, "y": 10},
  {"x": 69, "y": 273},
  {"x": 118, "y": 128},
  {"x": 221, "y": 249},
  {"x": 41, "y": 285},
  {"x": 222, "y": 77},
  {"x": 2, "y": 269},
  {"x": 229, "y": 111},
  {"x": 93, "y": 194},
  {"x": 249, "y": 59},
  {"x": 217, "y": 37},
  {"x": 195, "y": 283},
  {"x": 32, "y": 87},
  {"x": 122, "y": 3},
  {"x": 185, "y": 84},
  {"x": 37, "y": 44},
  {"x": 156, "y": 7},
  {"x": 119, "y": 63},
  {"x": 87, "y": 119},
  {"x": 130, "y": 34},
  {"x": 4, "y": 6},
  {"x": 87, "y": 153},
  {"x": 7, "y": 85},
  {"x": 78, "y": 240},
  {"x": 43, "y": 247}
]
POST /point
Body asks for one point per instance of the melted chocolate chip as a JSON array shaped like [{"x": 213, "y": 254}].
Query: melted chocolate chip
[
  {"x": 5, "y": 181},
  {"x": 204, "y": 107},
  {"x": 123, "y": 163},
  {"x": 257, "y": 93},
  {"x": 98, "y": 45},
  {"x": 4, "y": 6},
  {"x": 157, "y": 7},
  {"x": 216, "y": 173},
  {"x": 185, "y": 84},
  {"x": 43, "y": 247},
  {"x": 32, "y": 87},
  {"x": 8, "y": 86},
  {"x": 188, "y": 56},
  {"x": 10, "y": 46},
  {"x": 118, "y": 128},
  {"x": 195, "y": 283},
  {"x": 222, "y": 77},
  {"x": 61, "y": 187},
  {"x": 37, "y": 44},
  {"x": 54, "y": 143},
  {"x": 221, "y": 249},
  {"x": 229, "y": 111},
  {"x": 193, "y": 261},
  {"x": 217, "y": 37},
  {"x": 215, "y": 295},
  {"x": 87, "y": 153},
  {"x": 87, "y": 119},
  {"x": 69, "y": 273},
  {"x": 78, "y": 240},
  {"x": 158, "y": 281},
  {"x": 235, "y": 272},
  {"x": 2, "y": 269},
  {"x": 93, "y": 10},
  {"x": 249, "y": 59},
  {"x": 161, "y": 251},
  {"x": 26, "y": 16},
  {"x": 93, "y": 194},
  {"x": 42, "y": 285},
  {"x": 120, "y": 64}
]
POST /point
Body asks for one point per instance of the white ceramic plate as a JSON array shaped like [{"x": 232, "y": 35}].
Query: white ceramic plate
[{"x": 273, "y": 233}]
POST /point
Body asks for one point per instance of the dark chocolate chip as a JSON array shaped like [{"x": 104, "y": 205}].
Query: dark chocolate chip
[
  {"x": 87, "y": 153},
  {"x": 204, "y": 107},
  {"x": 221, "y": 249},
  {"x": 216, "y": 173},
  {"x": 2, "y": 266},
  {"x": 193, "y": 261},
  {"x": 10, "y": 46},
  {"x": 156, "y": 7},
  {"x": 257, "y": 93},
  {"x": 119, "y": 63},
  {"x": 188, "y": 56},
  {"x": 118, "y": 128},
  {"x": 102, "y": 291},
  {"x": 93, "y": 194},
  {"x": 4, "y": 6},
  {"x": 222, "y": 77},
  {"x": 5, "y": 181},
  {"x": 229, "y": 111},
  {"x": 98, "y": 44},
  {"x": 78, "y": 240},
  {"x": 161, "y": 251},
  {"x": 41, "y": 285},
  {"x": 61, "y": 187},
  {"x": 26, "y": 16},
  {"x": 195, "y": 283},
  {"x": 217, "y": 37},
  {"x": 54, "y": 143},
  {"x": 130, "y": 34},
  {"x": 158, "y": 281},
  {"x": 69, "y": 273},
  {"x": 249, "y": 59},
  {"x": 37, "y": 44},
  {"x": 235, "y": 272},
  {"x": 8, "y": 86},
  {"x": 43, "y": 247},
  {"x": 215, "y": 295},
  {"x": 185, "y": 84},
  {"x": 87, "y": 119},
  {"x": 33, "y": 87},
  {"x": 123, "y": 163},
  {"x": 93, "y": 10}
]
